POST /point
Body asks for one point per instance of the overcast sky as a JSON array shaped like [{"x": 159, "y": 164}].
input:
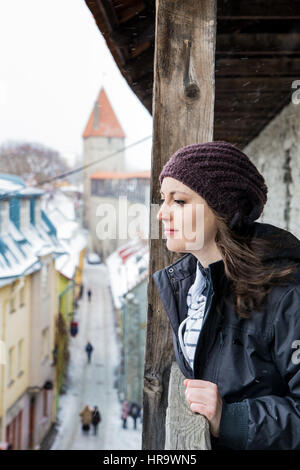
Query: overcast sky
[{"x": 53, "y": 63}]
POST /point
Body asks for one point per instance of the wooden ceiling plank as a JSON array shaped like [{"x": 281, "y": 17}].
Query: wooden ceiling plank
[
  {"x": 258, "y": 9},
  {"x": 246, "y": 84},
  {"x": 257, "y": 66},
  {"x": 258, "y": 43},
  {"x": 130, "y": 12},
  {"x": 108, "y": 12},
  {"x": 136, "y": 32}
]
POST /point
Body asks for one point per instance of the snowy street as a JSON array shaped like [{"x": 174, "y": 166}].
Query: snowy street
[{"x": 93, "y": 383}]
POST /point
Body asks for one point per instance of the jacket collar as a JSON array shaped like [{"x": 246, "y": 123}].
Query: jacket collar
[{"x": 187, "y": 265}]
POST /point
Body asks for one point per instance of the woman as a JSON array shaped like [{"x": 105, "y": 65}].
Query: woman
[
  {"x": 125, "y": 413},
  {"x": 86, "y": 418},
  {"x": 233, "y": 298}
]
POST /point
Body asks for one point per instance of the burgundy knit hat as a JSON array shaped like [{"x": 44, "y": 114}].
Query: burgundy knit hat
[{"x": 222, "y": 175}]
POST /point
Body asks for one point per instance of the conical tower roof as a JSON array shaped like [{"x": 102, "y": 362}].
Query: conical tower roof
[{"x": 103, "y": 121}]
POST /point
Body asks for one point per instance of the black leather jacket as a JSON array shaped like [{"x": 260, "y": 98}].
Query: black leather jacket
[{"x": 254, "y": 362}]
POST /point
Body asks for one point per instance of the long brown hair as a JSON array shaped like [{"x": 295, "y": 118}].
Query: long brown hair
[{"x": 249, "y": 277}]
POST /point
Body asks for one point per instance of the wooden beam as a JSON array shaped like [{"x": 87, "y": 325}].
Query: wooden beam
[
  {"x": 193, "y": 432},
  {"x": 256, "y": 66},
  {"x": 258, "y": 43},
  {"x": 261, "y": 84},
  {"x": 129, "y": 12},
  {"x": 142, "y": 66},
  {"x": 108, "y": 13},
  {"x": 183, "y": 103},
  {"x": 256, "y": 9},
  {"x": 134, "y": 32},
  {"x": 137, "y": 50},
  {"x": 247, "y": 101}
]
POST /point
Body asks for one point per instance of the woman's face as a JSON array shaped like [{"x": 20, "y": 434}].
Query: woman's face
[{"x": 189, "y": 223}]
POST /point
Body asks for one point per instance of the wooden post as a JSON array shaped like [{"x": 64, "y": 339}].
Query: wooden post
[
  {"x": 184, "y": 428},
  {"x": 183, "y": 105}
]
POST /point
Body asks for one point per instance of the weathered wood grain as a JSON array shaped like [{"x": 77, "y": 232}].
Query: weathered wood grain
[
  {"x": 184, "y": 428},
  {"x": 183, "y": 104}
]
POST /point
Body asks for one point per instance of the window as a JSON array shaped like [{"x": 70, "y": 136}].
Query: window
[
  {"x": 11, "y": 365},
  {"x": 45, "y": 402},
  {"x": 12, "y": 305},
  {"x": 20, "y": 357},
  {"x": 12, "y": 300},
  {"x": 45, "y": 343},
  {"x": 22, "y": 296}
]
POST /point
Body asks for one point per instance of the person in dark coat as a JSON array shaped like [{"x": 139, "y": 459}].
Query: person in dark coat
[
  {"x": 232, "y": 298},
  {"x": 96, "y": 418},
  {"x": 134, "y": 412},
  {"x": 89, "y": 349},
  {"x": 89, "y": 294}
]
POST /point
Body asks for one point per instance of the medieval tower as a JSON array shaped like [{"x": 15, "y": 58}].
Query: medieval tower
[
  {"x": 106, "y": 181},
  {"x": 102, "y": 136}
]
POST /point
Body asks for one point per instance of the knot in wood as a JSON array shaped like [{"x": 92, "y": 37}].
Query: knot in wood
[
  {"x": 192, "y": 90},
  {"x": 152, "y": 384}
]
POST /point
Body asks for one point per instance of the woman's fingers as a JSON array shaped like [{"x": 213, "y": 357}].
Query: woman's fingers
[
  {"x": 199, "y": 383},
  {"x": 200, "y": 395}
]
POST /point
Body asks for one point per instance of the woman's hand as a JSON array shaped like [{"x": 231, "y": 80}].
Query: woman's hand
[{"x": 204, "y": 398}]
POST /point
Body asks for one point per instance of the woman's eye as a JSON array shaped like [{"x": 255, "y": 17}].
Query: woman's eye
[{"x": 161, "y": 201}]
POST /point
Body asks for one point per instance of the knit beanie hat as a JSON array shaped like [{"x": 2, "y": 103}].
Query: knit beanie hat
[{"x": 222, "y": 175}]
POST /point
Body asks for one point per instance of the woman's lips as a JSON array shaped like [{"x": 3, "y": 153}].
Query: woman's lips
[{"x": 170, "y": 231}]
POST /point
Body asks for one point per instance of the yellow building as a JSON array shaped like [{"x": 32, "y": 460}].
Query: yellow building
[{"x": 28, "y": 311}]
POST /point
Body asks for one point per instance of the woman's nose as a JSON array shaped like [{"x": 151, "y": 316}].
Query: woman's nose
[{"x": 163, "y": 213}]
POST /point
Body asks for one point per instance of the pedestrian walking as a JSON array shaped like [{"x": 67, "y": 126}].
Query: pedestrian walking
[
  {"x": 134, "y": 412},
  {"x": 96, "y": 418},
  {"x": 89, "y": 349},
  {"x": 86, "y": 418},
  {"x": 125, "y": 413},
  {"x": 89, "y": 294},
  {"x": 232, "y": 299}
]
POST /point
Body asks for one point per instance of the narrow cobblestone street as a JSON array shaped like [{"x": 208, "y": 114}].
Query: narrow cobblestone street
[{"x": 93, "y": 383}]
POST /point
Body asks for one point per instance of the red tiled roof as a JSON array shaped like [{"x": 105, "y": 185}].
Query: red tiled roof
[
  {"x": 103, "y": 122},
  {"x": 120, "y": 175}
]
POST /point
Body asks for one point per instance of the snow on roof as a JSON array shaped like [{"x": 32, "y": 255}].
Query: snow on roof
[
  {"x": 15, "y": 185},
  {"x": 66, "y": 264},
  {"x": 58, "y": 205},
  {"x": 20, "y": 250},
  {"x": 60, "y": 210},
  {"x": 128, "y": 267},
  {"x": 71, "y": 189}
]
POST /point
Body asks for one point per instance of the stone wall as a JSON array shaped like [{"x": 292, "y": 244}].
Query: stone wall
[{"x": 276, "y": 154}]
